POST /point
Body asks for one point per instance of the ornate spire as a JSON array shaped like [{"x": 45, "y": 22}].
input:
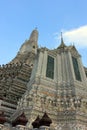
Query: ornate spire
[
  {"x": 34, "y": 36},
  {"x": 31, "y": 43},
  {"x": 62, "y": 39},
  {"x": 20, "y": 120},
  {"x": 36, "y": 123},
  {"x": 46, "y": 120},
  {"x": 62, "y": 45}
]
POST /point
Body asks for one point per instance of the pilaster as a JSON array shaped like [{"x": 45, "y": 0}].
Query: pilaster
[
  {"x": 44, "y": 64},
  {"x": 59, "y": 69},
  {"x": 72, "y": 75},
  {"x": 63, "y": 69}
]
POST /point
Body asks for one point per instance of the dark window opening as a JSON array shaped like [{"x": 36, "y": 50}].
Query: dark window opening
[
  {"x": 50, "y": 67},
  {"x": 76, "y": 69}
]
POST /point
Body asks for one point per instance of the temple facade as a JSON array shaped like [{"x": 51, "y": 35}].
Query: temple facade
[{"x": 43, "y": 89}]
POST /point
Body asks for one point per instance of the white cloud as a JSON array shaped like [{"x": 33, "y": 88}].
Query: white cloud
[{"x": 77, "y": 36}]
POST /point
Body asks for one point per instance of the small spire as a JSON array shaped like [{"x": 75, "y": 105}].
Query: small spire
[
  {"x": 36, "y": 123},
  {"x": 62, "y": 45},
  {"x": 73, "y": 44},
  {"x": 20, "y": 120},
  {"x": 46, "y": 120},
  {"x": 61, "y": 37}
]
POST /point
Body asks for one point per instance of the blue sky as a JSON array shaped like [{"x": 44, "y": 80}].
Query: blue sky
[{"x": 19, "y": 17}]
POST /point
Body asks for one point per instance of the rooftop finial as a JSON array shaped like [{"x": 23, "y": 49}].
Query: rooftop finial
[
  {"x": 61, "y": 35},
  {"x": 62, "y": 45},
  {"x": 62, "y": 39}
]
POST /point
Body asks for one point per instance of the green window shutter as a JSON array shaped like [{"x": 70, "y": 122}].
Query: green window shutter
[
  {"x": 50, "y": 67},
  {"x": 76, "y": 69}
]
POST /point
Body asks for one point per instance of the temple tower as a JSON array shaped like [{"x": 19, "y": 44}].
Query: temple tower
[
  {"x": 57, "y": 85},
  {"x": 31, "y": 44}
]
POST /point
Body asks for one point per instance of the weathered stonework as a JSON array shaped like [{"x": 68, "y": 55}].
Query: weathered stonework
[{"x": 24, "y": 87}]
